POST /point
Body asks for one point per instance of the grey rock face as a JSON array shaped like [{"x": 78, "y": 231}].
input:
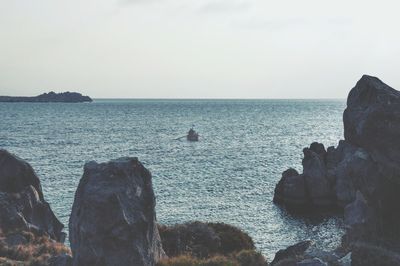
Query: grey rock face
[
  {"x": 22, "y": 205},
  {"x": 25, "y": 211},
  {"x": 363, "y": 173},
  {"x": 372, "y": 119},
  {"x": 113, "y": 221},
  {"x": 291, "y": 252},
  {"x": 16, "y": 174}
]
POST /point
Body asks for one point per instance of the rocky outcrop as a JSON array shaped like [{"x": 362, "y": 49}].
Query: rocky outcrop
[
  {"x": 22, "y": 206},
  {"x": 113, "y": 220},
  {"x": 361, "y": 176},
  {"x": 372, "y": 119},
  {"x": 66, "y": 97},
  {"x": 16, "y": 174}
]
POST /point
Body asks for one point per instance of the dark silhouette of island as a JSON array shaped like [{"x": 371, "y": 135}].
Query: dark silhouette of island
[{"x": 65, "y": 97}]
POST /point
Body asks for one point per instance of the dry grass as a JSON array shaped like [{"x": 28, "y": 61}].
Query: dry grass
[
  {"x": 34, "y": 250},
  {"x": 242, "y": 258}
]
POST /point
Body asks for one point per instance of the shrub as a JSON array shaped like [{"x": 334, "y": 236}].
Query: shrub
[
  {"x": 250, "y": 258},
  {"x": 33, "y": 250},
  {"x": 232, "y": 238},
  {"x": 203, "y": 240}
]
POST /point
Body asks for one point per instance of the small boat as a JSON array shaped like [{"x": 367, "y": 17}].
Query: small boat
[{"x": 192, "y": 135}]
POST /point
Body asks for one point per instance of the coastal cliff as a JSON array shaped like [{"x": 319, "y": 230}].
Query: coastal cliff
[
  {"x": 66, "y": 97},
  {"x": 360, "y": 177}
]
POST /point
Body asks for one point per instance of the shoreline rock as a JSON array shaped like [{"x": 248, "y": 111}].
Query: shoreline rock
[
  {"x": 22, "y": 205},
  {"x": 361, "y": 176},
  {"x": 113, "y": 219}
]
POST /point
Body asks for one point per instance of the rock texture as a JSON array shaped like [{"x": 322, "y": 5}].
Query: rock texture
[
  {"x": 113, "y": 220},
  {"x": 22, "y": 206},
  {"x": 361, "y": 176}
]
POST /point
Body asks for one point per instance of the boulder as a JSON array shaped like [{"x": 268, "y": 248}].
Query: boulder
[
  {"x": 372, "y": 119},
  {"x": 291, "y": 253},
  {"x": 25, "y": 211},
  {"x": 16, "y": 174},
  {"x": 113, "y": 219},
  {"x": 22, "y": 205},
  {"x": 316, "y": 176}
]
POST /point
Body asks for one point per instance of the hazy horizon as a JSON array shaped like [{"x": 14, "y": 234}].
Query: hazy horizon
[{"x": 210, "y": 49}]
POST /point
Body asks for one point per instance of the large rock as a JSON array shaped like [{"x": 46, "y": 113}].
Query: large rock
[
  {"x": 363, "y": 172},
  {"x": 22, "y": 206},
  {"x": 316, "y": 176},
  {"x": 25, "y": 211},
  {"x": 16, "y": 174},
  {"x": 113, "y": 220},
  {"x": 372, "y": 119}
]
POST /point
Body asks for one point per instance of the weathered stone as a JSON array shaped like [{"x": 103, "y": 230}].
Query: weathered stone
[
  {"x": 315, "y": 175},
  {"x": 16, "y": 174},
  {"x": 291, "y": 252},
  {"x": 372, "y": 119},
  {"x": 113, "y": 220},
  {"x": 25, "y": 211}
]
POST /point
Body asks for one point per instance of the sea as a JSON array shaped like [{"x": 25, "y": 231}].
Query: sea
[{"x": 228, "y": 176}]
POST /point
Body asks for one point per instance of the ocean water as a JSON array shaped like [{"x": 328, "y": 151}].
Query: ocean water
[{"x": 228, "y": 176}]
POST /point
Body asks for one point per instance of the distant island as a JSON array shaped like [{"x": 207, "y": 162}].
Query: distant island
[{"x": 65, "y": 97}]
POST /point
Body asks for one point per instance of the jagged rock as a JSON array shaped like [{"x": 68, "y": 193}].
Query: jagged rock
[
  {"x": 358, "y": 212},
  {"x": 22, "y": 206},
  {"x": 25, "y": 211},
  {"x": 363, "y": 172},
  {"x": 345, "y": 261},
  {"x": 16, "y": 174},
  {"x": 316, "y": 176},
  {"x": 292, "y": 252},
  {"x": 113, "y": 220},
  {"x": 372, "y": 119},
  {"x": 365, "y": 254}
]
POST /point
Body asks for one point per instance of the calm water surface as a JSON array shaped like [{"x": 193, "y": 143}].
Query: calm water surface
[{"x": 229, "y": 175}]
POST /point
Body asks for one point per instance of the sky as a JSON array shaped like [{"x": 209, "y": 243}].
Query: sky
[{"x": 197, "y": 48}]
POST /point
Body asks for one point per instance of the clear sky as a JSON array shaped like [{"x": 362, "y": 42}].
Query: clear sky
[{"x": 197, "y": 48}]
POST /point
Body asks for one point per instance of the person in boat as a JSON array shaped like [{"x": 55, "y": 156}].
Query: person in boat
[{"x": 192, "y": 135}]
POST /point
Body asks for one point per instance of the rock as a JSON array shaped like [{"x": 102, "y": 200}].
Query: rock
[
  {"x": 291, "y": 252},
  {"x": 372, "y": 119},
  {"x": 16, "y": 174},
  {"x": 361, "y": 176},
  {"x": 113, "y": 220},
  {"x": 22, "y": 205},
  {"x": 279, "y": 196},
  {"x": 364, "y": 254},
  {"x": 60, "y": 260},
  {"x": 358, "y": 212},
  {"x": 316, "y": 176},
  {"x": 345, "y": 261},
  {"x": 312, "y": 262},
  {"x": 25, "y": 211}
]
